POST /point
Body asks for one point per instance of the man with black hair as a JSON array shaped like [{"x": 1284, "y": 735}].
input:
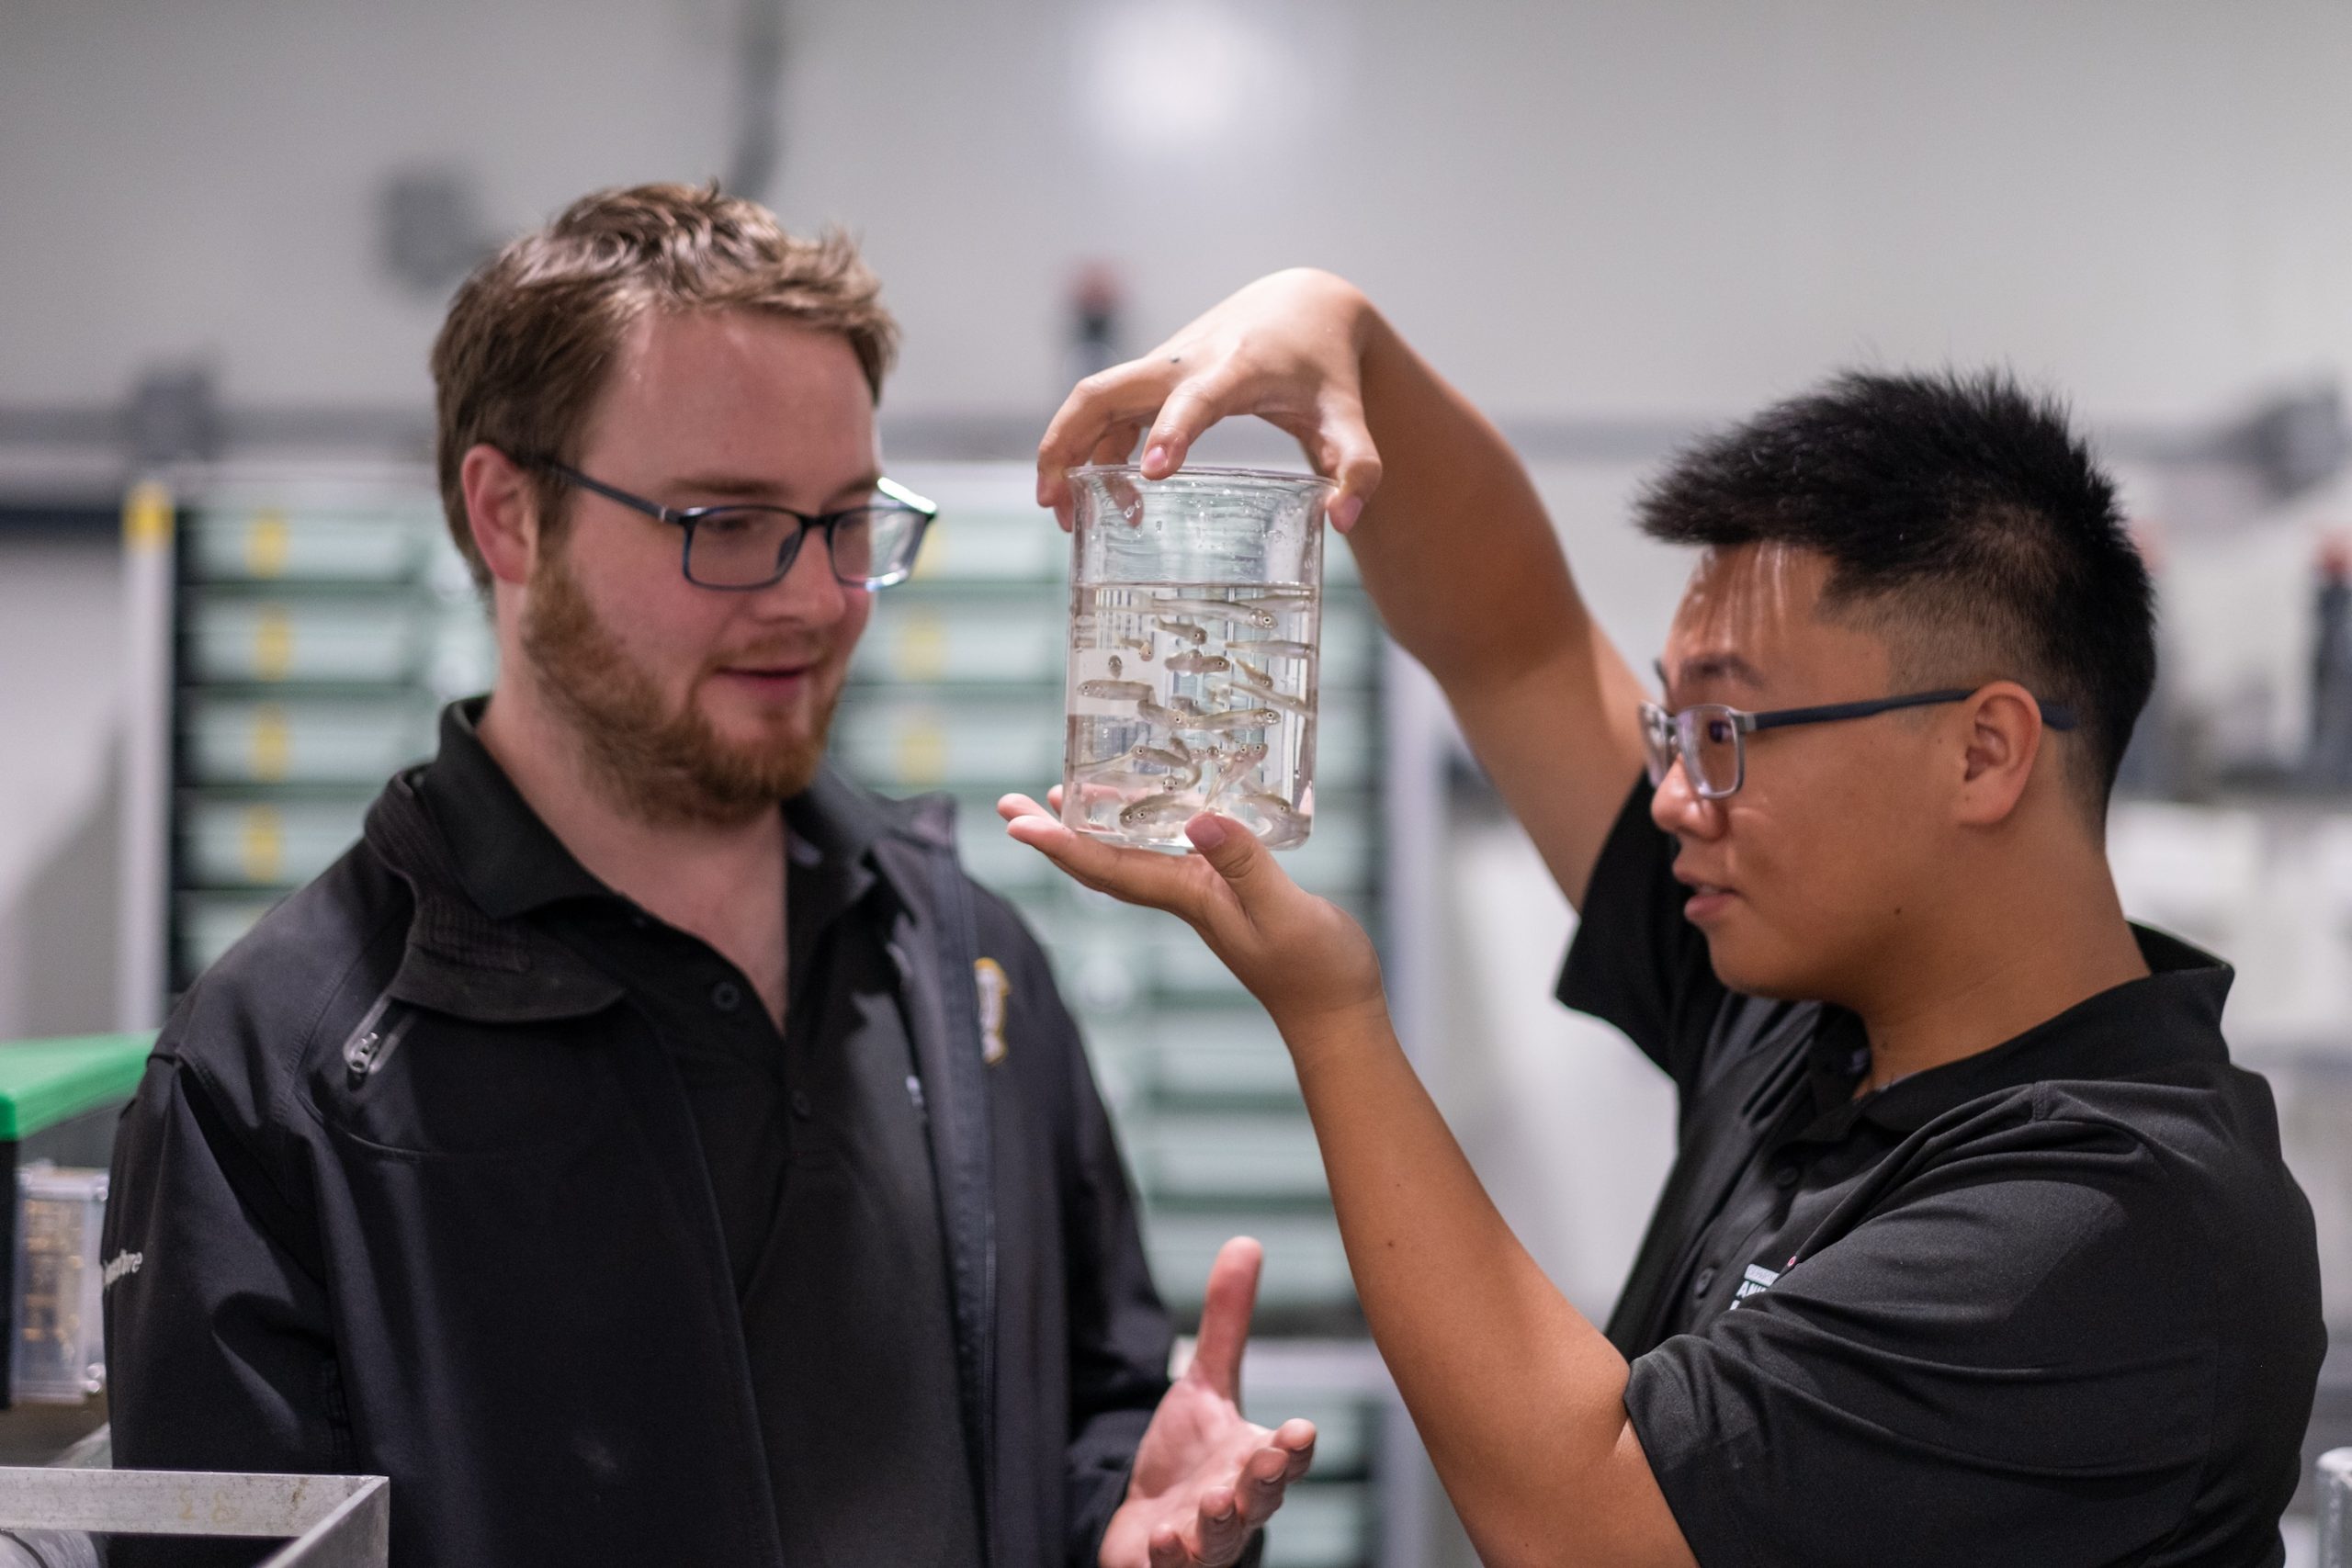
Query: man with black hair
[{"x": 1976, "y": 1250}]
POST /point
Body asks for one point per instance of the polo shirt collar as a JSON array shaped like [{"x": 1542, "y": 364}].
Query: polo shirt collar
[
  {"x": 2168, "y": 1018},
  {"x": 512, "y": 863}
]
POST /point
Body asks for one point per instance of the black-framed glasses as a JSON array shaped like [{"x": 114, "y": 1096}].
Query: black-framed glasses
[
  {"x": 1710, "y": 737},
  {"x": 737, "y": 548}
]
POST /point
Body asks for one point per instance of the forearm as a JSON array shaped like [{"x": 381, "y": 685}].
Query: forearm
[
  {"x": 1519, "y": 1399},
  {"x": 1456, "y": 547},
  {"x": 1469, "y": 576}
]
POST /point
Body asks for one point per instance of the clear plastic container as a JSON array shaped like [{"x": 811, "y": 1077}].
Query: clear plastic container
[
  {"x": 59, "y": 1354},
  {"x": 1196, "y": 613}
]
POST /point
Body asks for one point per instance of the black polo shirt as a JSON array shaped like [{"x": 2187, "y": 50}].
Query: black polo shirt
[
  {"x": 2054, "y": 1303},
  {"x": 814, "y": 1142}
]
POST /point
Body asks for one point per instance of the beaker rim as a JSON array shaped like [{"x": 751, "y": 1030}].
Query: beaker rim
[{"x": 1270, "y": 479}]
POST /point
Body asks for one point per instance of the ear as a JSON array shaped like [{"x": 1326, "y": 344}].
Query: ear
[
  {"x": 2003, "y": 739},
  {"x": 502, "y": 507}
]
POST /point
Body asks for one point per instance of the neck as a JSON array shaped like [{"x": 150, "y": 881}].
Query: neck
[
  {"x": 1999, "y": 965},
  {"x": 721, "y": 881}
]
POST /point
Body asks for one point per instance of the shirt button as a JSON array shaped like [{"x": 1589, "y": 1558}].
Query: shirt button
[
  {"x": 1785, "y": 1178},
  {"x": 800, "y": 1106},
  {"x": 1706, "y": 1278},
  {"x": 726, "y": 996}
]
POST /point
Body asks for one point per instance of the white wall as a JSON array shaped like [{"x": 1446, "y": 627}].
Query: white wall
[
  {"x": 1675, "y": 207},
  {"x": 61, "y": 702}
]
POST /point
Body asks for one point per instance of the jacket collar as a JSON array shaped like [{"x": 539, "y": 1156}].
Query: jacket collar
[{"x": 479, "y": 861}]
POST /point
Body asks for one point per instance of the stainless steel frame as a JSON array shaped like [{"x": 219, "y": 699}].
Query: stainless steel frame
[{"x": 334, "y": 1521}]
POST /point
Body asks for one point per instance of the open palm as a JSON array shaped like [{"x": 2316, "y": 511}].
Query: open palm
[{"x": 1205, "y": 1476}]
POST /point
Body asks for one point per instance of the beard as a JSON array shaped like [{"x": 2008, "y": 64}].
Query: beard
[{"x": 660, "y": 764}]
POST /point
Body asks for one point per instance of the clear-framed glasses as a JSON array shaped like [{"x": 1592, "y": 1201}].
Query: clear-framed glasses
[
  {"x": 739, "y": 547},
  {"x": 1711, "y": 738}
]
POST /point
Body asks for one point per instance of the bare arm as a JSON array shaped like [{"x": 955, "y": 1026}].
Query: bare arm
[
  {"x": 1449, "y": 534},
  {"x": 1519, "y": 1399}
]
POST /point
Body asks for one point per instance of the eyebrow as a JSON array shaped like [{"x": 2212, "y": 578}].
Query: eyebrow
[
  {"x": 738, "y": 487},
  {"x": 1723, "y": 665}
]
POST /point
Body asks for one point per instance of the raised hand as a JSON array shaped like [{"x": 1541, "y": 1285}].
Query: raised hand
[
  {"x": 1287, "y": 348},
  {"x": 1205, "y": 1477}
]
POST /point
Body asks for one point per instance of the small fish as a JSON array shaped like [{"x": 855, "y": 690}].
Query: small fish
[
  {"x": 1159, "y": 757},
  {"x": 1127, "y": 781},
  {"x": 1267, "y": 694},
  {"x": 1285, "y": 825},
  {"x": 1185, "y": 630},
  {"x": 1273, "y": 647},
  {"x": 1116, "y": 690},
  {"x": 1155, "y": 810},
  {"x": 1280, "y": 701},
  {"x": 1231, "y": 766},
  {"x": 1176, "y": 744},
  {"x": 1233, "y": 719},
  {"x": 1134, "y": 755},
  {"x": 1152, "y": 712},
  {"x": 1280, "y": 601},
  {"x": 1141, "y": 646},
  {"x": 1194, "y": 662},
  {"x": 1096, "y": 767},
  {"x": 1115, "y": 667},
  {"x": 1183, "y": 705},
  {"x": 1226, "y": 609},
  {"x": 1250, "y": 672}
]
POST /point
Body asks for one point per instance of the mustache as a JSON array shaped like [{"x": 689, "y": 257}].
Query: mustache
[{"x": 774, "y": 656}]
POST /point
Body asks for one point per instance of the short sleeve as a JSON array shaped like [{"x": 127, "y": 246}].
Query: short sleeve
[
  {"x": 1923, "y": 1391},
  {"x": 1635, "y": 962}
]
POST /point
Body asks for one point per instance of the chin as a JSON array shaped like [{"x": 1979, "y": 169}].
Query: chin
[{"x": 1752, "y": 970}]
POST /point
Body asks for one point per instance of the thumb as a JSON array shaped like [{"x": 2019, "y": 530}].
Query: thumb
[
  {"x": 1235, "y": 853},
  {"x": 1350, "y": 457},
  {"x": 1225, "y": 1307}
]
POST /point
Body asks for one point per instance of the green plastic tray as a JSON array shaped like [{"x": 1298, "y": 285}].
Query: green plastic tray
[{"x": 43, "y": 1082}]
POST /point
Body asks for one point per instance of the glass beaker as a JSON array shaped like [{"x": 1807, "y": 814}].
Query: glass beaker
[{"x": 1195, "y": 605}]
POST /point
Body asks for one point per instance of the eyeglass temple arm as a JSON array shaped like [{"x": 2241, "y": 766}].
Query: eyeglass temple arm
[
  {"x": 2057, "y": 716},
  {"x": 634, "y": 502}
]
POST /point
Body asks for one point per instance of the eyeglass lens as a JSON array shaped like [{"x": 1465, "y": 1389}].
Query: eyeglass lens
[
  {"x": 746, "y": 549},
  {"x": 1710, "y": 744},
  {"x": 1706, "y": 741}
]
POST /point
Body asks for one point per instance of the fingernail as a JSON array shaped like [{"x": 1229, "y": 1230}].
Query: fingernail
[
  {"x": 1155, "y": 454},
  {"x": 1344, "y": 513},
  {"x": 1207, "y": 832}
]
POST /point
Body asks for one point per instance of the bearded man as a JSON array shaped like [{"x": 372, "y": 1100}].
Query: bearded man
[{"x": 609, "y": 1148}]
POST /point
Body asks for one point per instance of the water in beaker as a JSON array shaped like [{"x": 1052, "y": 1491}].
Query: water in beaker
[{"x": 1195, "y": 608}]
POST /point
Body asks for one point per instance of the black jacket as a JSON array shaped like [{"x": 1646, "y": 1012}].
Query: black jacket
[{"x": 408, "y": 1190}]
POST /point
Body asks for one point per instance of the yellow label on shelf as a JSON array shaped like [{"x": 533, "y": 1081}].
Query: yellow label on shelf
[
  {"x": 147, "y": 516},
  {"x": 919, "y": 648},
  {"x": 273, "y": 643},
  {"x": 266, "y": 538},
  {"x": 261, "y": 844},
  {"x": 923, "y": 753},
  {"x": 273, "y": 743}
]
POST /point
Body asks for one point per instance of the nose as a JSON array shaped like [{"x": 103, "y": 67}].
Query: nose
[
  {"x": 809, "y": 593},
  {"x": 1683, "y": 811}
]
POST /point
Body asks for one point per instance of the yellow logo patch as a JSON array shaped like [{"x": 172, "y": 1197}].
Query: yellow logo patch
[{"x": 996, "y": 995}]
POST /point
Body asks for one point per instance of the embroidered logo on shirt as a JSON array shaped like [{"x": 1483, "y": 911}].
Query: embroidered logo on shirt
[
  {"x": 1758, "y": 1278},
  {"x": 996, "y": 992},
  {"x": 121, "y": 1263}
]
